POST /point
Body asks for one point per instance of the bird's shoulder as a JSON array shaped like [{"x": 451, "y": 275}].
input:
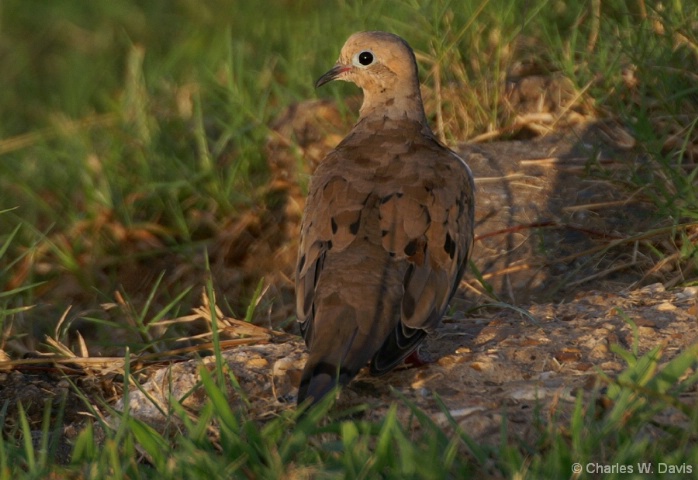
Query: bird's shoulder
[{"x": 389, "y": 159}]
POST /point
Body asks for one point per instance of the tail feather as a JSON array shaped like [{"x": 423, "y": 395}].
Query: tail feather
[
  {"x": 319, "y": 379},
  {"x": 399, "y": 345}
]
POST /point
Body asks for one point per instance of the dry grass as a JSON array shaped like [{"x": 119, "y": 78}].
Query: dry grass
[{"x": 155, "y": 166}]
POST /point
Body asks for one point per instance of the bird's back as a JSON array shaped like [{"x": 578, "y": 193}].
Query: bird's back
[{"x": 384, "y": 240}]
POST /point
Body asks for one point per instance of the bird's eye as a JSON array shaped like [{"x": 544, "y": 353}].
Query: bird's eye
[{"x": 365, "y": 58}]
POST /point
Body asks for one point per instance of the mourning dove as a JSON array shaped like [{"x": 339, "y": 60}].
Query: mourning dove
[{"x": 387, "y": 228}]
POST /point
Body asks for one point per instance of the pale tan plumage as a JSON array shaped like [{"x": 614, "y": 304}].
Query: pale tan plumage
[{"x": 387, "y": 228}]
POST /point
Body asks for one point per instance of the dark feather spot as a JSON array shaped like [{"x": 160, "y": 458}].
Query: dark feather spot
[
  {"x": 384, "y": 232},
  {"x": 301, "y": 262},
  {"x": 450, "y": 246},
  {"x": 411, "y": 248},
  {"x": 318, "y": 268},
  {"x": 329, "y": 244},
  {"x": 354, "y": 227},
  {"x": 334, "y": 225},
  {"x": 386, "y": 198}
]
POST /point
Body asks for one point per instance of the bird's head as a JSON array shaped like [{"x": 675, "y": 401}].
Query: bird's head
[{"x": 384, "y": 66}]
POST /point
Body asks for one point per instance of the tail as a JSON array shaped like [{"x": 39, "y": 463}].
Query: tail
[
  {"x": 346, "y": 327},
  {"x": 318, "y": 379},
  {"x": 399, "y": 345}
]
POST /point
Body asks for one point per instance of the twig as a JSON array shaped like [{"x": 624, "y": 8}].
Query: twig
[
  {"x": 598, "y": 205},
  {"x": 508, "y": 270},
  {"x": 516, "y": 228},
  {"x": 602, "y": 274},
  {"x": 513, "y": 176},
  {"x": 544, "y": 162}
]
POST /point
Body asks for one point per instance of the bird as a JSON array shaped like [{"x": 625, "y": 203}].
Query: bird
[{"x": 387, "y": 228}]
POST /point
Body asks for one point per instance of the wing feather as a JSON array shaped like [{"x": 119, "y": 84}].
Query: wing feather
[{"x": 430, "y": 226}]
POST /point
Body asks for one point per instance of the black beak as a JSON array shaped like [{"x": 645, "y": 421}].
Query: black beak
[{"x": 331, "y": 75}]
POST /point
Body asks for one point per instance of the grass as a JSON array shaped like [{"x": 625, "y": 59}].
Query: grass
[
  {"x": 133, "y": 136},
  {"x": 615, "y": 426},
  {"x": 129, "y": 148}
]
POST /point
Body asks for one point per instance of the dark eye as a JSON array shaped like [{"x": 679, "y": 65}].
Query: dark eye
[{"x": 365, "y": 58}]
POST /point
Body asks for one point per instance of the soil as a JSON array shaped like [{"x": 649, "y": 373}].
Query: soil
[
  {"x": 486, "y": 368},
  {"x": 565, "y": 285}
]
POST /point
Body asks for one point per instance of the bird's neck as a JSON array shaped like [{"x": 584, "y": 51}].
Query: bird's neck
[
  {"x": 383, "y": 105},
  {"x": 385, "y": 127}
]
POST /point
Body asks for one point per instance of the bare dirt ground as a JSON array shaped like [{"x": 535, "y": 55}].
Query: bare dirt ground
[
  {"x": 565, "y": 272},
  {"x": 553, "y": 242},
  {"x": 486, "y": 367}
]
